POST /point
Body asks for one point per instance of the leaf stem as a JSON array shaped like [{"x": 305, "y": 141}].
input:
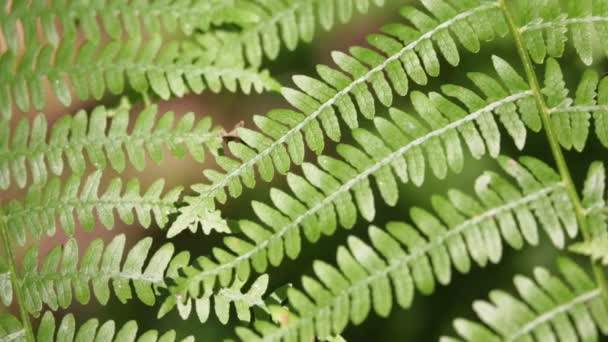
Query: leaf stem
[
  {"x": 25, "y": 317},
  {"x": 556, "y": 149}
]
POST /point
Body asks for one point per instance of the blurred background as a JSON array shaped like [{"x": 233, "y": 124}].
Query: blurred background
[{"x": 430, "y": 317}]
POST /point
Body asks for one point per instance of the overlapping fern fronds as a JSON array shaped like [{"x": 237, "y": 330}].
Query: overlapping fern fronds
[
  {"x": 546, "y": 26},
  {"x": 91, "y": 330},
  {"x": 463, "y": 229},
  {"x": 338, "y": 191},
  {"x": 549, "y": 309},
  {"x": 284, "y": 22},
  {"x": 105, "y": 136},
  {"x": 94, "y": 69},
  {"x": 407, "y": 52},
  {"x": 60, "y": 274},
  {"x": 113, "y": 18}
]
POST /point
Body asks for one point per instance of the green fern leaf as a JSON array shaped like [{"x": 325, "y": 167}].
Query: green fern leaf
[
  {"x": 91, "y": 330},
  {"x": 286, "y": 22},
  {"x": 220, "y": 302},
  {"x": 571, "y": 118},
  {"x": 594, "y": 202},
  {"x": 51, "y": 283},
  {"x": 43, "y": 205},
  {"x": 104, "y": 137},
  {"x": 285, "y": 133},
  {"x": 463, "y": 229},
  {"x": 549, "y": 309},
  {"x": 339, "y": 190},
  {"x": 169, "y": 69},
  {"x": 597, "y": 249},
  {"x": 545, "y": 27},
  {"x": 98, "y": 17}
]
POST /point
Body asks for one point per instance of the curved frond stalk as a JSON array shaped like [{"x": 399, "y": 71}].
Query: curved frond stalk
[
  {"x": 417, "y": 256},
  {"x": 551, "y": 135},
  {"x": 104, "y": 136},
  {"x": 114, "y": 18},
  {"x": 285, "y": 133},
  {"x": 337, "y": 192},
  {"x": 51, "y": 283},
  {"x": 90, "y": 330},
  {"x": 95, "y": 69},
  {"x": 286, "y": 22},
  {"x": 571, "y": 117},
  {"x": 43, "y": 205},
  {"x": 219, "y": 302},
  {"x": 545, "y": 27},
  {"x": 549, "y": 309}
]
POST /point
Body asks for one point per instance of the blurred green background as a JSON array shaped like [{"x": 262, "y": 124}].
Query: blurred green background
[{"x": 430, "y": 317}]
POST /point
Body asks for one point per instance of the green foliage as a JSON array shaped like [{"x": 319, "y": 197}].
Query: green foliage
[
  {"x": 43, "y": 205},
  {"x": 51, "y": 283},
  {"x": 547, "y": 25},
  {"x": 284, "y": 22},
  {"x": 285, "y": 134},
  {"x": 153, "y": 66},
  {"x": 95, "y": 18},
  {"x": 463, "y": 229},
  {"x": 373, "y": 128},
  {"x": 104, "y": 135},
  {"x": 91, "y": 330},
  {"x": 233, "y": 295},
  {"x": 549, "y": 309}
]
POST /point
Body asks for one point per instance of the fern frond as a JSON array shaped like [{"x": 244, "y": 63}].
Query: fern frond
[
  {"x": 94, "y": 69},
  {"x": 284, "y": 134},
  {"x": 286, "y": 22},
  {"x": 51, "y": 283},
  {"x": 549, "y": 309},
  {"x": 219, "y": 302},
  {"x": 104, "y": 137},
  {"x": 418, "y": 256},
  {"x": 339, "y": 190},
  {"x": 545, "y": 26},
  {"x": 91, "y": 330},
  {"x": 114, "y": 18},
  {"x": 595, "y": 207},
  {"x": 596, "y": 248},
  {"x": 571, "y": 117},
  {"x": 43, "y": 205}
]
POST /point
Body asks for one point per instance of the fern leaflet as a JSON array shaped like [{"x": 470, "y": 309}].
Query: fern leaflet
[
  {"x": 323, "y": 196},
  {"x": 235, "y": 295},
  {"x": 285, "y": 132},
  {"x": 114, "y": 18},
  {"x": 37, "y": 214},
  {"x": 463, "y": 229},
  {"x": 60, "y": 274},
  {"x": 91, "y": 330},
  {"x": 545, "y": 27},
  {"x": 285, "y": 22},
  {"x": 172, "y": 69},
  {"x": 550, "y": 308},
  {"x": 104, "y": 137}
]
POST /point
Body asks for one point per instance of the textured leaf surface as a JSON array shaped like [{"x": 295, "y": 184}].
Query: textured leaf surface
[
  {"x": 551, "y": 308},
  {"x": 62, "y": 276},
  {"x": 103, "y": 136},
  {"x": 462, "y": 230},
  {"x": 62, "y": 202}
]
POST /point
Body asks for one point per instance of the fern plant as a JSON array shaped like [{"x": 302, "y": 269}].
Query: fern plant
[{"x": 359, "y": 144}]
